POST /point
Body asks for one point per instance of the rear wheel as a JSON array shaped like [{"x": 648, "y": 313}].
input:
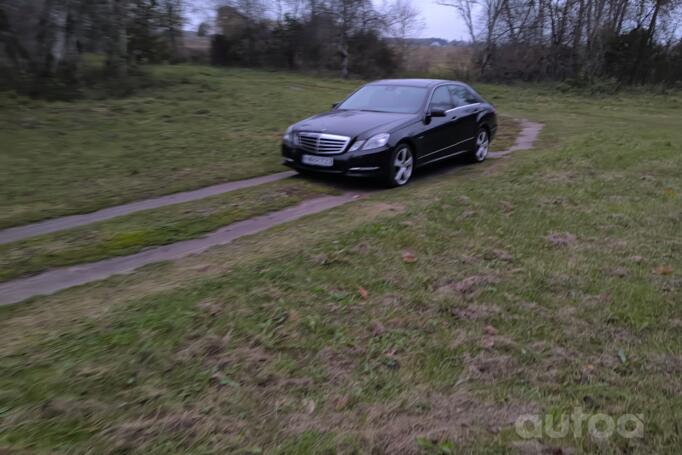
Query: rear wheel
[
  {"x": 480, "y": 152},
  {"x": 400, "y": 166}
]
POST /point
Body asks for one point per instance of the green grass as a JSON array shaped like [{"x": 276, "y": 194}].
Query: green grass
[
  {"x": 270, "y": 347},
  {"x": 133, "y": 233},
  {"x": 199, "y": 127}
]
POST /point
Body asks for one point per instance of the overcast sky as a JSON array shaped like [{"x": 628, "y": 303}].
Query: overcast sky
[{"x": 440, "y": 21}]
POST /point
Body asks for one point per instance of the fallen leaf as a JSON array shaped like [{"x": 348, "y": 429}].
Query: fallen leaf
[
  {"x": 619, "y": 272},
  {"x": 586, "y": 372},
  {"x": 294, "y": 316},
  {"x": 489, "y": 330},
  {"x": 360, "y": 248},
  {"x": 377, "y": 328},
  {"x": 220, "y": 379},
  {"x": 320, "y": 259},
  {"x": 363, "y": 293},
  {"x": 341, "y": 402},
  {"x": 391, "y": 361},
  {"x": 498, "y": 254},
  {"x": 621, "y": 356},
  {"x": 471, "y": 283},
  {"x": 507, "y": 207},
  {"x": 309, "y": 405},
  {"x": 409, "y": 257},
  {"x": 487, "y": 342},
  {"x": 664, "y": 270}
]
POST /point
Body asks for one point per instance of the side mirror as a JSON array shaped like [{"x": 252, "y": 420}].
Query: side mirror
[
  {"x": 437, "y": 112},
  {"x": 335, "y": 105}
]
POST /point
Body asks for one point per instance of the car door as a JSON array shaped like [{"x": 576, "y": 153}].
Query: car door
[
  {"x": 438, "y": 132},
  {"x": 464, "y": 117}
]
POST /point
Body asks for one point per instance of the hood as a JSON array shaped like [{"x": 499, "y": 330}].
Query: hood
[{"x": 354, "y": 123}]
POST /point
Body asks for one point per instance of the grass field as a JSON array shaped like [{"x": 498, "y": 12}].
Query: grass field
[
  {"x": 420, "y": 320},
  {"x": 197, "y": 128}
]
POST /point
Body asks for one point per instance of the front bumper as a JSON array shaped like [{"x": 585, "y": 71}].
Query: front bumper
[{"x": 367, "y": 163}]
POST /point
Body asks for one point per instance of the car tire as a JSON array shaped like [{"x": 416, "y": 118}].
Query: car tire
[
  {"x": 481, "y": 146},
  {"x": 400, "y": 165}
]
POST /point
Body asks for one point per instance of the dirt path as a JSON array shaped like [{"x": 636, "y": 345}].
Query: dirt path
[
  {"x": 62, "y": 278},
  {"x": 68, "y": 222},
  {"x": 525, "y": 140}
]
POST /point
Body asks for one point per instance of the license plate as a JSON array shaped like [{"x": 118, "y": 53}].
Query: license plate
[{"x": 317, "y": 160}]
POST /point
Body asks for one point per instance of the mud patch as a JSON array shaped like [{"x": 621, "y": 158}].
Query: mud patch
[
  {"x": 525, "y": 139},
  {"x": 377, "y": 209},
  {"x": 468, "y": 287},
  {"x": 338, "y": 365},
  {"x": 475, "y": 312},
  {"x": 499, "y": 255},
  {"x": 488, "y": 366},
  {"x": 184, "y": 427},
  {"x": 561, "y": 239},
  {"x": 560, "y": 177},
  {"x": 205, "y": 347},
  {"x": 386, "y": 428},
  {"x": 536, "y": 448}
]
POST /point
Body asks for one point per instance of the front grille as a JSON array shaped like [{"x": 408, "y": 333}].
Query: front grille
[{"x": 323, "y": 143}]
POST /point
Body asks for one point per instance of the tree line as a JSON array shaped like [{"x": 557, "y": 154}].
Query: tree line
[
  {"x": 632, "y": 42},
  {"x": 343, "y": 36},
  {"x": 43, "y": 42}
]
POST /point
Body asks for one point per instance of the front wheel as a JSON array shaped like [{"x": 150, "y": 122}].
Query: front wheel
[
  {"x": 480, "y": 152},
  {"x": 400, "y": 166}
]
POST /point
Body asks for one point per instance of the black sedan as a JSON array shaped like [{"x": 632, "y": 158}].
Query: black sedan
[{"x": 388, "y": 128}]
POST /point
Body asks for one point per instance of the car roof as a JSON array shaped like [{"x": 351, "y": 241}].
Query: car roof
[{"x": 427, "y": 83}]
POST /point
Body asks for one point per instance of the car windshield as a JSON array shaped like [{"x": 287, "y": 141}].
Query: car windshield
[{"x": 386, "y": 98}]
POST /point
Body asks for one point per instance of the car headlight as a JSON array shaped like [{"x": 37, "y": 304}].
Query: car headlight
[
  {"x": 356, "y": 146},
  {"x": 289, "y": 135},
  {"x": 377, "y": 141}
]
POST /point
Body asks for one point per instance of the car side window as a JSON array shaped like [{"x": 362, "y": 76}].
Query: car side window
[
  {"x": 441, "y": 99},
  {"x": 462, "y": 95}
]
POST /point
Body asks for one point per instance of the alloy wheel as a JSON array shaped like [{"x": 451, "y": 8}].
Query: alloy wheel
[
  {"x": 403, "y": 165},
  {"x": 482, "y": 145}
]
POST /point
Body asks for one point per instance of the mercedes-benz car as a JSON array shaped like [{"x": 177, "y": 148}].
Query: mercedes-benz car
[{"x": 389, "y": 128}]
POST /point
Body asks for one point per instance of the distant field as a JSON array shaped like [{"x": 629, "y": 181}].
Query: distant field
[
  {"x": 203, "y": 126},
  {"x": 439, "y": 62}
]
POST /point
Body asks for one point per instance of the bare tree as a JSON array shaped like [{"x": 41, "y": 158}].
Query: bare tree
[
  {"x": 402, "y": 19},
  {"x": 465, "y": 10},
  {"x": 559, "y": 38},
  {"x": 351, "y": 16},
  {"x": 117, "y": 38}
]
